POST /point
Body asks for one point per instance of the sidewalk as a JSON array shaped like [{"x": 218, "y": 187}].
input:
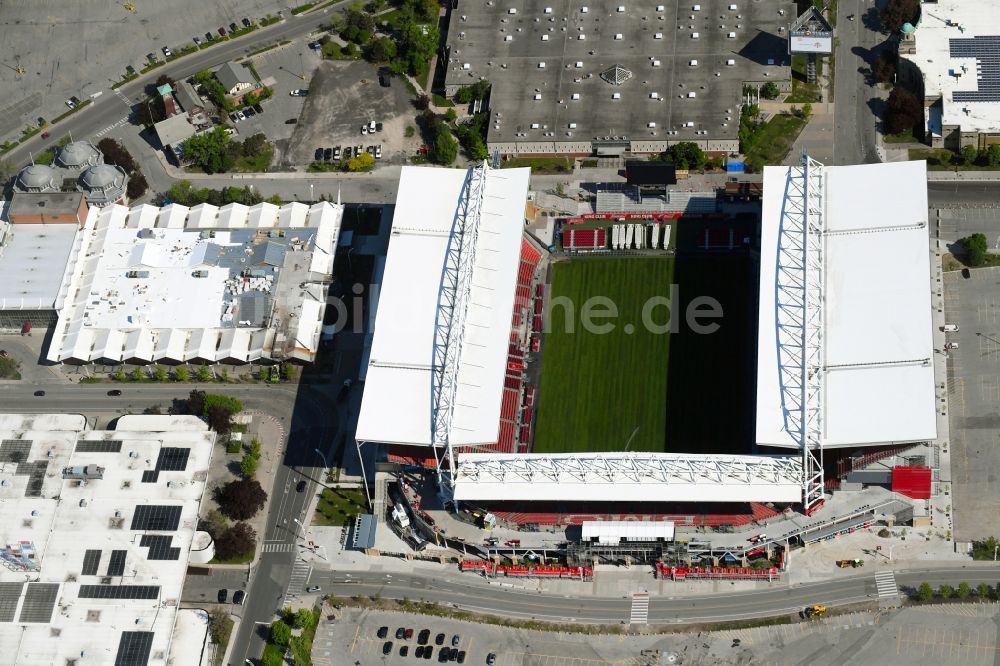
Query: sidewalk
[{"x": 964, "y": 176}]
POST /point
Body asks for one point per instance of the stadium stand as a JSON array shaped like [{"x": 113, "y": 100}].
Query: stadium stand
[
  {"x": 576, "y": 240},
  {"x": 689, "y": 515}
]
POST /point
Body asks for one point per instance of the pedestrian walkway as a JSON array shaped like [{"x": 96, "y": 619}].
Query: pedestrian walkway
[
  {"x": 278, "y": 547},
  {"x": 885, "y": 584},
  {"x": 297, "y": 583},
  {"x": 640, "y": 608}
]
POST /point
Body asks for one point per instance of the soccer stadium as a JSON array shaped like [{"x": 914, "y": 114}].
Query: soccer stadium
[{"x": 482, "y": 369}]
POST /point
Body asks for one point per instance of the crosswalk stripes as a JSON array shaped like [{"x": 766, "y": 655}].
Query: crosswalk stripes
[
  {"x": 640, "y": 608},
  {"x": 297, "y": 582},
  {"x": 280, "y": 547},
  {"x": 885, "y": 584}
]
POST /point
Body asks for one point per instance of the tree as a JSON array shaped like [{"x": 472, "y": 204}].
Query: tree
[
  {"x": 214, "y": 523},
  {"x": 255, "y": 448},
  {"x": 770, "y": 90},
  {"x": 248, "y": 466},
  {"x": 975, "y": 255},
  {"x": 196, "y": 402},
  {"x": 993, "y": 155},
  {"x": 237, "y": 541},
  {"x": 137, "y": 185},
  {"x": 983, "y": 591},
  {"x": 925, "y": 592},
  {"x": 981, "y": 550},
  {"x": 807, "y": 110},
  {"x": 969, "y": 154},
  {"x": 208, "y": 151},
  {"x": 219, "y": 418},
  {"x": 903, "y": 111},
  {"x": 885, "y": 67},
  {"x": 116, "y": 154},
  {"x": 281, "y": 633},
  {"x": 150, "y": 111},
  {"x": 241, "y": 499},
  {"x": 137, "y": 375},
  {"x": 450, "y": 115},
  {"x": 160, "y": 373},
  {"x": 946, "y": 591},
  {"x": 897, "y": 12},
  {"x": 362, "y": 162},
  {"x": 445, "y": 146},
  {"x": 220, "y": 625},
  {"x": 382, "y": 50},
  {"x": 182, "y": 374},
  {"x": 686, "y": 155},
  {"x": 204, "y": 374},
  {"x": 304, "y": 618},
  {"x": 964, "y": 590},
  {"x": 254, "y": 145},
  {"x": 272, "y": 658}
]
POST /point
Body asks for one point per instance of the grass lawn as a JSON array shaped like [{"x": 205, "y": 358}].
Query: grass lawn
[
  {"x": 772, "y": 142},
  {"x": 906, "y": 137},
  {"x": 541, "y": 165},
  {"x": 339, "y": 506},
  {"x": 597, "y": 388}
]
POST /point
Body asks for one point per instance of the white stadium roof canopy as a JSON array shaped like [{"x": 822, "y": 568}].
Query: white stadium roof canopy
[
  {"x": 398, "y": 403},
  {"x": 879, "y": 371},
  {"x": 628, "y": 477}
]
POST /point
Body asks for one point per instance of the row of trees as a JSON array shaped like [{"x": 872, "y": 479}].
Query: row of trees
[
  {"x": 231, "y": 540},
  {"x": 410, "y": 42},
  {"x": 925, "y": 592},
  {"x": 251, "y": 460},
  {"x": 186, "y": 194},
  {"x": 280, "y": 637}
]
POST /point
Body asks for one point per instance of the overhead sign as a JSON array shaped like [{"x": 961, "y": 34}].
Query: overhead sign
[{"x": 808, "y": 41}]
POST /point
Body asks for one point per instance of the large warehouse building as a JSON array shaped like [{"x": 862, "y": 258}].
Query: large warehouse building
[
  {"x": 96, "y": 531},
  {"x": 609, "y": 77},
  {"x": 259, "y": 273}
]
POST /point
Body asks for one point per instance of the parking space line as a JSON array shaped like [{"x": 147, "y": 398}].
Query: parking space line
[{"x": 355, "y": 641}]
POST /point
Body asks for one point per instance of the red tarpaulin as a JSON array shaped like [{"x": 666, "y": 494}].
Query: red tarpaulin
[{"x": 914, "y": 482}]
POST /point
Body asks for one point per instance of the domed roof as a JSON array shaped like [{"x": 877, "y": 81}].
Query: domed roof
[
  {"x": 101, "y": 177},
  {"x": 36, "y": 176},
  {"x": 79, "y": 153}
]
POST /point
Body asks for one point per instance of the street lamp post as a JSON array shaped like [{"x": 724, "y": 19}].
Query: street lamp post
[
  {"x": 296, "y": 521},
  {"x": 325, "y": 464}
]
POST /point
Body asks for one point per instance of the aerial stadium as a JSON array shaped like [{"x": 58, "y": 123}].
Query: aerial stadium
[{"x": 474, "y": 370}]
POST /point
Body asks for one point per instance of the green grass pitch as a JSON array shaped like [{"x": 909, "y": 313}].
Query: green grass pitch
[{"x": 596, "y": 389}]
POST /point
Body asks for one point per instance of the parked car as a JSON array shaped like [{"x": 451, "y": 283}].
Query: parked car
[
  {"x": 423, "y": 636},
  {"x": 222, "y": 31},
  {"x": 364, "y": 129},
  {"x": 400, "y": 633},
  {"x": 312, "y": 589},
  {"x": 358, "y": 149},
  {"x": 209, "y": 36},
  {"x": 347, "y": 153},
  {"x": 318, "y": 155},
  {"x": 300, "y": 487},
  {"x": 378, "y": 127},
  {"x": 249, "y": 112},
  {"x": 234, "y": 117},
  {"x": 455, "y": 640},
  {"x": 167, "y": 52},
  {"x": 240, "y": 115},
  {"x": 151, "y": 57},
  {"x": 299, "y": 92},
  {"x": 197, "y": 41},
  {"x": 328, "y": 154},
  {"x": 378, "y": 151},
  {"x": 233, "y": 27},
  {"x": 45, "y": 135},
  {"x": 371, "y": 125},
  {"x": 238, "y": 597},
  {"x": 258, "y": 108},
  {"x": 387, "y": 647},
  {"x": 315, "y": 46},
  {"x": 428, "y": 652},
  {"x": 382, "y": 632},
  {"x": 461, "y": 656},
  {"x": 419, "y": 653},
  {"x": 439, "y": 639},
  {"x": 405, "y": 650},
  {"x": 491, "y": 659},
  {"x": 130, "y": 70},
  {"x": 246, "y": 22},
  {"x": 223, "y": 595},
  {"x": 336, "y": 156},
  {"x": 409, "y": 634}
]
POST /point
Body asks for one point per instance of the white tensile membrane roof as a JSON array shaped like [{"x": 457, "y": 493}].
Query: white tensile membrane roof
[
  {"x": 876, "y": 309},
  {"x": 398, "y": 397}
]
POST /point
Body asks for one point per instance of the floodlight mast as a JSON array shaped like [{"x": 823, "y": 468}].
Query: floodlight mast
[
  {"x": 799, "y": 293},
  {"x": 449, "y": 325}
]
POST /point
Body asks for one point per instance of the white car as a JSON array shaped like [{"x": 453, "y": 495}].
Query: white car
[
  {"x": 167, "y": 52},
  {"x": 378, "y": 151},
  {"x": 239, "y": 114},
  {"x": 371, "y": 126},
  {"x": 314, "y": 588},
  {"x": 364, "y": 129},
  {"x": 301, "y": 92}
]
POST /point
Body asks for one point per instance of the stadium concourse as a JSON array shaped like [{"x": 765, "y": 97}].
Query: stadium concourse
[{"x": 447, "y": 367}]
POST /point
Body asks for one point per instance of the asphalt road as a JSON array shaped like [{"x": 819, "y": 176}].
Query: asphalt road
[
  {"x": 854, "y": 120},
  {"x": 944, "y": 194},
  {"x": 473, "y": 594}
]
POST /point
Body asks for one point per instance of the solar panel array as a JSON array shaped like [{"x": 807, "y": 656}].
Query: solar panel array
[
  {"x": 91, "y": 560},
  {"x": 9, "y": 595},
  {"x": 36, "y": 476},
  {"x": 39, "y": 602},
  {"x": 986, "y": 50},
  {"x": 150, "y": 476},
  {"x": 156, "y": 517},
  {"x": 14, "y": 450},
  {"x": 159, "y": 547},
  {"x": 116, "y": 565},
  {"x": 170, "y": 459},
  {"x": 134, "y": 648},
  {"x": 99, "y": 446},
  {"x": 119, "y": 591}
]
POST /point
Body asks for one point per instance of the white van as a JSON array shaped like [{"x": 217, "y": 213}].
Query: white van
[{"x": 950, "y": 328}]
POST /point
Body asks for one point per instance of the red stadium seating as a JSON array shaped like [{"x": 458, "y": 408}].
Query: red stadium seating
[{"x": 508, "y": 408}]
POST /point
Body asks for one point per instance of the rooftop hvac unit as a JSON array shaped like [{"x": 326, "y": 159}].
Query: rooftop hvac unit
[
  {"x": 535, "y": 125},
  {"x": 650, "y": 125},
  {"x": 581, "y": 37},
  {"x": 511, "y": 11},
  {"x": 621, "y": 8},
  {"x": 696, "y": 8},
  {"x": 692, "y": 63},
  {"x": 538, "y": 96},
  {"x": 541, "y": 65},
  {"x": 616, "y": 95},
  {"x": 731, "y": 35},
  {"x": 656, "y": 63},
  {"x": 575, "y": 96},
  {"x": 658, "y": 35},
  {"x": 572, "y": 125},
  {"x": 732, "y": 8},
  {"x": 545, "y": 38},
  {"x": 548, "y": 10},
  {"x": 694, "y": 35},
  {"x": 654, "y": 95},
  {"x": 579, "y": 64},
  {"x": 583, "y": 10},
  {"x": 692, "y": 95},
  {"x": 730, "y": 62}
]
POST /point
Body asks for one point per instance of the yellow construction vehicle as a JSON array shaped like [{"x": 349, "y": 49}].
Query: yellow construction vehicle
[{"x": 815, "y": 611}]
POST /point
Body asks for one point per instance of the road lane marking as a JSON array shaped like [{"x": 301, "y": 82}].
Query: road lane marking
[{"x": 354, "y": 643}]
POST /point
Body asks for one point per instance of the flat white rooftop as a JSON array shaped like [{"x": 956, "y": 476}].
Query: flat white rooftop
[
  {"x": 95, "y": 533},
  {"x": 398, "y": 397},
  {"x": 879, "y": 381},
  {"x": 958, "y": 52},
  {"x": 627, "y": 477},
  {"x": 24, "y": 250}
]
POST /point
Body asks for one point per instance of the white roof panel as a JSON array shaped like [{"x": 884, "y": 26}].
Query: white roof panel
[
  {"x": 877, "y": 308},
  {"x": 399, "y": 375},
  {"x": 23, "y": 285}
]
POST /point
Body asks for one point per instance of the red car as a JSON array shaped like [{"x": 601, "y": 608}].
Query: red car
[
  {"x": 45, "y": 135},
  {"x": 513, "y": 542},
  {"x": 222, "y": 31}
]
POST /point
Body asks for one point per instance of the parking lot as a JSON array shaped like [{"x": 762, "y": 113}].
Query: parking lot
[
  {"x": 342, "y": 96},
  {"x": 91, "y": 44},
  {"x": 973, "y": 304}
]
